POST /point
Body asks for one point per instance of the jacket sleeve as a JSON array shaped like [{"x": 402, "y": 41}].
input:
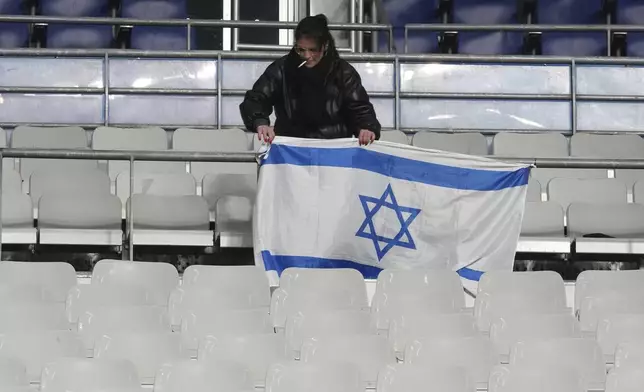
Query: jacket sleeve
[
  {"x": 357, "y": 105},
  {"x": 258, "y": 102}
]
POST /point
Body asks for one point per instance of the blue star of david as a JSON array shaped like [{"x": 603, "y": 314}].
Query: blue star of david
[{"x": 406, "y": 216}]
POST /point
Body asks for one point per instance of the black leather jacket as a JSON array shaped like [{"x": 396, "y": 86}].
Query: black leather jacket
[{"x": 347, "y": 103}]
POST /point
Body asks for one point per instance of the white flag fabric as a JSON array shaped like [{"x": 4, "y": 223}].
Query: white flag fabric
[{"x": 335, "y": 204}]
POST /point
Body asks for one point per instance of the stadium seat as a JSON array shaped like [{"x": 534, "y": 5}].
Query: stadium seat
[
  {"x": 534, "y": 190},
  {"x": 17, "y": 218},
  {"x": 154, "y": 9},
  {"x": 494, "y": 43},
  {"x": 586, "y": 190},
  {"x": 405, "y": 377},
  {"x": 572, "y": 43},
  {"x": 463, "y": 143},
  {"x": 406, "y": 328},
  {"x": 369, "y": 352},
  {"x": 394, "y": 137},
  {"x": 595, "y": 283},
  {"x": 13, "y": 375},
  {"x": 349, "y": 281},
  {"x": 36, "y": 349},
  {"x": 157, "y": 278},
  {"x": 204, "y": 321},
  {"x": 625, "y": 380},
  {"x": 318, "y": 324},
  {"x": 77, "y": 374},
  {"x": 230, "y": 199},
  {"x": 629, "y": 12},
  {"x": 185, "y": 301},
  {"x": 161, "y": 38},
  {"x": 141, "y": 139},
  {"x": 26, "y": 293},
  {"x": 147, "y": 351},
  {"x": 530, "y": 145},
  {"x": 406, "y": 292},
  {"x": 583, "y": 355},
  {"x": 163, "y": 184},
  {"x": 512, "y": 378},
  {"x": 597, "y": 308},
  {"x": 50, "y": 137},
  {"x": 213, "y": 140},
  {"x": 56, "y": 277},
  {"x": 244, "y": 277},
  {"x": 623, "y": 222},
  {"x": 475, "y": 354},
  {"x": 508, "y": 330},
  {"x": 80, "y": 219},
  {"x": 91, "y": 181},
  {"x": 77, "y": 36},
  {"x": 630, "y": 355},
  {"x": 170, "y": 220},
  {"x": 202, "y": 376},
  {"x": 11, "y": 179},
  {"x": 97, "y": 321},
  {"x": 21, "y": 317},
  {"x": 13, "y": 35},
  {"x": 543, "y": 219},
  {"x": 85, "y": 297},
  {"x": 314, "y": 377},
  {"x": 257, "y": 352},
  {"x": 613, "y": 329},
  {"x": 620, "y": 146}
]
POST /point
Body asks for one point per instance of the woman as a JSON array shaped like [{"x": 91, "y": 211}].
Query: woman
[{"x": 315, "y": 93}]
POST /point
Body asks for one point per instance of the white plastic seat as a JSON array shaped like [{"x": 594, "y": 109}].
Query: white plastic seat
[
  {"x": 616, "y": 220},
  {"x": 476, "y": 354},
  {"x": 17, "y": 219},
  {"x": 249, "y": 278},
  {"x": 584, "y": 355},
  {"x": 51, "y": 137},
  {"x": 89, "y": 375},
  {"x": 594, "y": 309},
  {"x": 203, "y": 376},
  {"x": 147, "y": 351},
  {"x": 36, "y": 349},
  {"x": 630, "y": 354},
  {"x": 92, "y": 181},
  {"x": 530, "y": 145},
  {"x": 534, "y": 190},
  {"x": 25, "y": 293},
  {"x": 394, "y": 136},
  {"x": 369, "y": 352},
  {"x": 295, "y": 280},
  {"x": 196, "y": 300},
  {"x": 543, "y": 219},
  {"x": 297, "y": 377},
  {"x": 140, "y": 139},
  {"x": 407, "y": 292},
  {"x": 312, "y": 324},
  {"x": 586, "y": 190},
  {"x": 231, "y": 197},
  {"x": 511, "y": 378},
  {"x": 625, "y": 380},
  {"x": 13, "y": 374},
  {"x": 11, "y": 179},
  {"x": 171, "y": 220},
  {"x": 56, "y": 277},
  {"x": 32, "y": 317},
  {"x": 405, "y": 377},
  {"x": 105, "y": 320},
  {"x": 214, "y": 140},
  {"x": 638, "y": 192},
  {"x": 463, "y": 143},
  {"x": 619, "y": 146},
  {"x": 405, "y": 329},
  {"x": 80, "y": 219},
  {"x": 163, "y": 184},
  {"x": 257, "y": 352},
  {"x": 508, "y": 330},
  {"x": 614, "y": 329},
  {"x": 84, "y": 297},
  {"x": 283, "y": 305},
  {"x": 208, "y": 322},
  {"x": 595, "y": 283},
  {"x": 158, "y": 278}
]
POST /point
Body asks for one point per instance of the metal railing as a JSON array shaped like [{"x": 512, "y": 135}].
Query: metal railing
[
  {"x": 250, "y": 157},
  {"x": 190, "y": 24}
]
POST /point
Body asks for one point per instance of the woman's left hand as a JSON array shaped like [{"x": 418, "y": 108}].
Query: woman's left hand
[{"x": 366, "y": 137}]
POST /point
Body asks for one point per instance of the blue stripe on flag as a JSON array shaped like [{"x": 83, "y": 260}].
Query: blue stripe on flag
[
  {"x": 280, "y": 263},
  {"x": 397, "y": 167}
]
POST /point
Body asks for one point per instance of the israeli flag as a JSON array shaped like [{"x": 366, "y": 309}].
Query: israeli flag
[{"x": 335, "y": 204}]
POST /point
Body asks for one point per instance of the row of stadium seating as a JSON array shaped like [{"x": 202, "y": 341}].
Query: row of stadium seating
[
  {"x": 143, "y": 313},
  {"x": 79, "y": 36}
]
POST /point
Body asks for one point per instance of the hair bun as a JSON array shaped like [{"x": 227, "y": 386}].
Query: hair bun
[{"x": 323, "y": 19}]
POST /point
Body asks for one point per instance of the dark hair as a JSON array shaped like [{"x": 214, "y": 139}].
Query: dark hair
[{"x": 316, "y": 28}]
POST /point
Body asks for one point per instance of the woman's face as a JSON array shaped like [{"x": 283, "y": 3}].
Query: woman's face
[{"x": 308, "y": 50}]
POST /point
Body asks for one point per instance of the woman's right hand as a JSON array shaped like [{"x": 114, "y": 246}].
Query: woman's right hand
[{"x": 266, "y": 133}]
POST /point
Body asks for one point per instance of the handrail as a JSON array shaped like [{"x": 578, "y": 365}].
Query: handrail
[
  {"x": 126, "y": 155},
  {"x": 522, "y": 27}
]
